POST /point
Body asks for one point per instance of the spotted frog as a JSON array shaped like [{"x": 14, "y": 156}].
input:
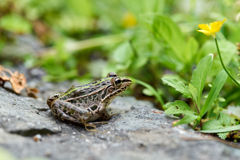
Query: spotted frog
[{"x": 87, "y": 103}]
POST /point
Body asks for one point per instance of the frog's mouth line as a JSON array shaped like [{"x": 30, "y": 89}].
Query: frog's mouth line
[{"x": 125, "y": 85}]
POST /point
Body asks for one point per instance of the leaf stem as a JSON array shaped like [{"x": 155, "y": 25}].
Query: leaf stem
[{"x": 219, "y": 54}]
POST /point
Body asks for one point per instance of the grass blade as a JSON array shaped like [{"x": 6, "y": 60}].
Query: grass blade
[
  {"x": 225, "y": 129},
  {"x": 216, "y": 88}
]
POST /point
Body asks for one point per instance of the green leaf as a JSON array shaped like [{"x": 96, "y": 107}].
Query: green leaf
[
  {"x": 147, "y": 92},
  {"x": 225, "y": 129},
  {"x": 15, "y": 23},
  {"x": 164, "y": 28},
  {"x": 223, "y": 135},
  {"x": 212, "y": 124},
  {"x": 178, "y": 107},
  {"x": 178, "y": 85},
  {"x": 200, "y": 74},
  {"x": 150, "y": 88},
  {"x": 122, "y": 56},
  {"x": 122, "y": 53},
  {"x": 224, "y": 119},
  {"x": 186, "y": 119},
  {"x": 193, "y": 92},
  {"x": 191, "y": 49},
  {"x": 216, "y": 88}
]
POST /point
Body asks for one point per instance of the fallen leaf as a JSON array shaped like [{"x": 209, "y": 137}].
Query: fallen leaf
[
  {"x": 160, "y": 112},
  {"x": 18, "y": 82},
  {"x": 3, "y": 75}
]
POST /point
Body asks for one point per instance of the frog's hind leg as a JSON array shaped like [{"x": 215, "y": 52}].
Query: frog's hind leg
[
  {"x": 76, "y": 112},
  {"x": 63, "y": 116}
]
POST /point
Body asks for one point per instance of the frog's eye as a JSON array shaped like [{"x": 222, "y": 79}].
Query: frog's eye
[
  {"x": 112, "y": 74},
  {"x": 118, "y": 81}
]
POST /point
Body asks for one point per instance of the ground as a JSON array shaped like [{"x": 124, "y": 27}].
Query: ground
[{"x": 138, "y": 131}]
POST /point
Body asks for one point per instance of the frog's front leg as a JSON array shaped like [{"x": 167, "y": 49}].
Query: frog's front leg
[
  {"x": 104, "y": 114},
  {"x": 70, "y": 112}
]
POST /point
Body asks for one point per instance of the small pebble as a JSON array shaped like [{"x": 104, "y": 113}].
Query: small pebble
[
  {"x": 37, "y": 138},
  {"x": 48, "y": 153}
]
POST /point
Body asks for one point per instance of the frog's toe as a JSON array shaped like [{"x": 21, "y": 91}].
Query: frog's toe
[{"x": 90, "y": 125}]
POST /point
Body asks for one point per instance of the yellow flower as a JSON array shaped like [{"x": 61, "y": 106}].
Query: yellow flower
[
  {"x": 129, "y": 20},
  {"x": 211, "y": 29}
]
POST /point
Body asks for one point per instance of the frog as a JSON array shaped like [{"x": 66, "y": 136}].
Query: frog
[{"x": 86, "y": 104}]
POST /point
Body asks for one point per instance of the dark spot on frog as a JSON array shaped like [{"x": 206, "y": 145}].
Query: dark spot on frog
[
  {"x": 94, "y": 82},
  {"x": 64, "y": 109},
  {"x": 54, "y": 111},
  {"x": 63, "y": 98},
  {"x": 90, "y": 97},
  {"x": 94, "y": 107},
  {"x": 89, "y": 110},
  {"x": 73, "y": 101},
  {"x": 71, "y": 111}
]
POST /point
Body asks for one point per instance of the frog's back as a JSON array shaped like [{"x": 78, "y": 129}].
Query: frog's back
[{"x": 85, "y": 90}]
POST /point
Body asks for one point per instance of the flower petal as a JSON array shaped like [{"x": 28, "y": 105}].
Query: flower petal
[
  {"x": 204, "y": 27},
  {"x": 208, "y": 33},
  {"x": 215, "y": 26},
  {"x": 224, "y": 20}
]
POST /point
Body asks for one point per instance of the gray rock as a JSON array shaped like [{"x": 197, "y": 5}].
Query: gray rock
[
  {"x": 23, "y": 115},
  {"x": 138, "y": 131}
]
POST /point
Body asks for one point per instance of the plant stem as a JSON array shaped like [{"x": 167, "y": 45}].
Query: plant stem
[
  {"x": 219, "y": 54},
  {"x": 133, "y": 48}
]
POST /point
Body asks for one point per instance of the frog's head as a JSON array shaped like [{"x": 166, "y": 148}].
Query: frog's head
[
  {"x": 52, "y": 98},
  {"x": 116, "y": 86}
]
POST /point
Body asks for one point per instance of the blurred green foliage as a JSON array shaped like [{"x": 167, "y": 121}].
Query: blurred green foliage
[{"x": 144, "y": 39}]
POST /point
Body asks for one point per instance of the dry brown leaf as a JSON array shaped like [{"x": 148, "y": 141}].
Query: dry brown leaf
[
  {"x": 18, "y": 82},
  {"x": 160, "y": 112},
  {"x": 31, "y": 92},
  {"x": 3, "y": 75}
]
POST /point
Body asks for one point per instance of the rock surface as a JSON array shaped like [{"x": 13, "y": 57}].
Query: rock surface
[{"x": 139, "y": 131}]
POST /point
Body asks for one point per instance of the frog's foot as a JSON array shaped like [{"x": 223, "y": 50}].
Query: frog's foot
[{"x": 86, "y": 125}]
